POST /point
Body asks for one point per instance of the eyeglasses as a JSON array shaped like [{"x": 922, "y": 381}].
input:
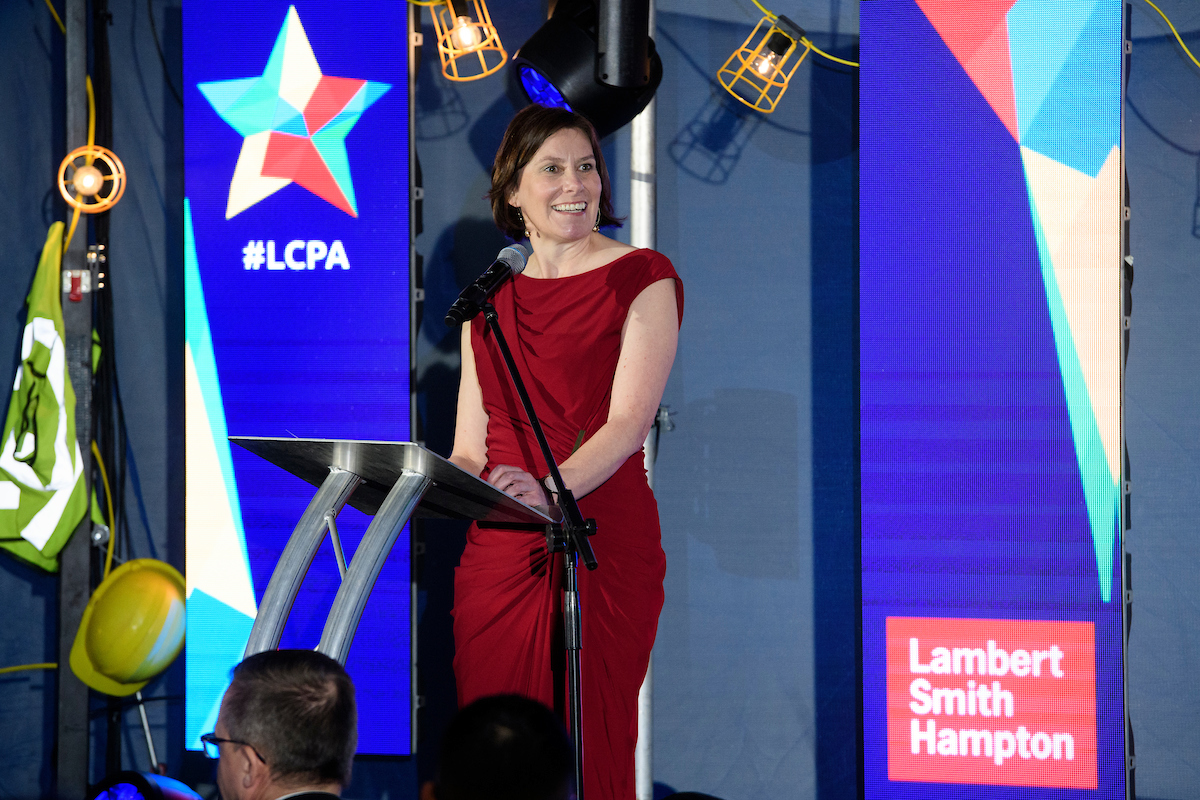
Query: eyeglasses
[{"x": 212, "y": 746}]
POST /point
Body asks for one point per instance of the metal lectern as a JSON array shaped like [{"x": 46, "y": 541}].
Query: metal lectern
[{"x": 389, "y": 480}]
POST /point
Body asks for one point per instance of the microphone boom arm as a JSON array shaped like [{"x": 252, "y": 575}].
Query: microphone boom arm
[
  {"x": 574, "y": 531},
  {"x": 574, "y": 526}
]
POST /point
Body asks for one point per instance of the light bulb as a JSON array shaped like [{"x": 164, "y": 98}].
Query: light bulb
[
  {"x": 465, "y": 35},
  {"x": 87, "y": 180},
  {"x": 765, "y": 63},
  {"x": 777, "y": 46}
]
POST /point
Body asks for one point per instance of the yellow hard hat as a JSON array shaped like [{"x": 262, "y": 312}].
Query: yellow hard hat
[{"x": 132, "y": 628}]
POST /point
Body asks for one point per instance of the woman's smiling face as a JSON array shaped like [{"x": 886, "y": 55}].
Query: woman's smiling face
[{"x": 559, "y": 190}]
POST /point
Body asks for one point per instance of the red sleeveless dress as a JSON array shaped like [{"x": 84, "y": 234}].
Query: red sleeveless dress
[{"x": 565, "y": 334}]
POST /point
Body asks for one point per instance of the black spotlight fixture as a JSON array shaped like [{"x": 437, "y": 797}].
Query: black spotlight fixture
[
  {"x": 593, "y": 57},
  {"x": 141, "y": 786}
]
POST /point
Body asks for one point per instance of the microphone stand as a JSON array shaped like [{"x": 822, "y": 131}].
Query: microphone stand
[{"x": 570, "y": 537}]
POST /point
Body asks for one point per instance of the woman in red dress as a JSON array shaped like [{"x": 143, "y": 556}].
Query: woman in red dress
[{"x": 593, "y": 326}]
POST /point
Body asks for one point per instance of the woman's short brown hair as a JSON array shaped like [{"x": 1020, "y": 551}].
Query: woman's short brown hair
[{"x": 527, "y": 132}]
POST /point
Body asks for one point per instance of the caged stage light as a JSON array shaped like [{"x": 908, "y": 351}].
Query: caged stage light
[
  {"x": 468, "y": 44},
  {"x": 758, "y": 72}
]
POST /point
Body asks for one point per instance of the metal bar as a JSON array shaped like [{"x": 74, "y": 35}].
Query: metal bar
[
  {"x": 573, "y": 635},
  {"x": 72, "y": 744},
  {"x": 1123, "y": 523},
  {"x": 146, "y": 730},
  {"x": 643, "y": 232},
  {"x": 368, "y": 560},
  {"x": 642, "y": 179},
  {"x": 643, "y": 754},
  {"x": 416, "y": 307},
  {"x": 297, "y": 556},
  {"x": 331, "y": 523},
  {"x": 71, "y": 758}
]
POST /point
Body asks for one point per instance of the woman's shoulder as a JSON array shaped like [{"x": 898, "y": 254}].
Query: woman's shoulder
[
  {"x": 611, "y": 253},
  {"x": 644, "y": 265},
  {"x": 632, "y": 273}
]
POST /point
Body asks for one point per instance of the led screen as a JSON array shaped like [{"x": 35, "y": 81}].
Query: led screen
[
  {"x": 297, "y": 300},
  {"x": 990, "y": 225}
]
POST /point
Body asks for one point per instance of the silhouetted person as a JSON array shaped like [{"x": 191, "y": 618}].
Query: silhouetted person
[
  {"x": 287, "y": 728},
  {"x": 503, "y": 747}
]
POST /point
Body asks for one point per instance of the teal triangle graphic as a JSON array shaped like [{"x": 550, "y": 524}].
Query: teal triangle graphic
[
  {"x": 373, "y": 91},
  {"x": 355, "y": 105},
  {"x": 288, "y": 120},
  {"x": 273, "y": 74},
  {"x": 330, "y": 142},
  {"x": 249, "y": 113},
  {"x": 367, "y": 94},
  {"x": 1079, "y": 121},
  {"x": 216, "y": 639},
  {"x": 223, "y": 94},
  {"x": 1099, "y": 486},
  {"x": 1041, "y": 36}
]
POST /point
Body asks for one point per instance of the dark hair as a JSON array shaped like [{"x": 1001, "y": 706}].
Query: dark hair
[
  {"x": 527, "y": 132},
  {"x": 505, "y": 747},
  {"x": 296, "y": 708}
]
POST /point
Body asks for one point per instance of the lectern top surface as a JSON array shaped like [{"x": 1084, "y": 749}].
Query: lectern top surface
[{"x": 454, "y": 494}]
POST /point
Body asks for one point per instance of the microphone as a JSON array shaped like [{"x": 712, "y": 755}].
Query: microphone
[{"x": 511, "y": 261}]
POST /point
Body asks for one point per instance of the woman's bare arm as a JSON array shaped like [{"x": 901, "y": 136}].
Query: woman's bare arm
[
  {"x": 648, "y": 341},
  {"x": 470, "y": 426}
]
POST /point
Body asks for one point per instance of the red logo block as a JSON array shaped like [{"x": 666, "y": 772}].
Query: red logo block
[{"x": 992, "y": 701}]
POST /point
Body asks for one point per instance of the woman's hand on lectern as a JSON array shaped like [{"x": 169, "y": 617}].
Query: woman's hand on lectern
[{"x": 516, "y": 482}]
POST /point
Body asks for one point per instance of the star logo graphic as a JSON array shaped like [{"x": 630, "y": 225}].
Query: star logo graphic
[{"x": 295, "y": 121}]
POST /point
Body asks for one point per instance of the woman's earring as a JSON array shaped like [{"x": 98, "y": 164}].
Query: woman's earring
[
  {"x": 521, "y": 219},
  {"x": 596, "y": 227}
]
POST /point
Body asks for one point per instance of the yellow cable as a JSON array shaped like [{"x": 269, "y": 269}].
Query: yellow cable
[
  {"x": 21, "y": 667},
  {"x": 91, "y": 119},
  {"x": 90, "y": 158},
  {"x": 112, "y": 531},
  {"x": 1178, "y": 38},
  {"x": 70, "y": 230},
  {"x": 57, "y": 18},
  {"x": 821, "y": 52},
  {"x": 422, "y": 3},
  {"x": 771, "y": 15}
]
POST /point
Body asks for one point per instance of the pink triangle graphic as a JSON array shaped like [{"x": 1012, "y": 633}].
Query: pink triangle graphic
[
  {"x": 296, "y": 158},
  {"x": 978, "y": 38}
]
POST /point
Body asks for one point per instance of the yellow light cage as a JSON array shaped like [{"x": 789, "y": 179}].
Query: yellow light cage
[
  {"x": 758, "y": 74},
  {"x": 91, "y": 179},
  {"x": 467, "y": 41}
]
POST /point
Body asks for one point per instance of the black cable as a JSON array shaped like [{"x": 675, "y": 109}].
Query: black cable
[
  {"x": 161, "y": 58},
  {"x": 101, "y": 73},
  {"x": 104, "y": 434}
]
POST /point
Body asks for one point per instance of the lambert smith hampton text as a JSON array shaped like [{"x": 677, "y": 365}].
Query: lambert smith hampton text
[{"x": 981, "y": 699}]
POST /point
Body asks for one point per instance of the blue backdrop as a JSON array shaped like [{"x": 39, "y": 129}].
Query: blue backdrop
[
  {"x": 297, "y": 317},
  {"x": 973, "y": 495},
  {"x": 755, "y": 678}
]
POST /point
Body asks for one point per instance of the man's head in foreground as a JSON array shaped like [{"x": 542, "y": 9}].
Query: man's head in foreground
[
  {"x": 287, "y": 724},
  {"x": 504, "y": 748}
]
